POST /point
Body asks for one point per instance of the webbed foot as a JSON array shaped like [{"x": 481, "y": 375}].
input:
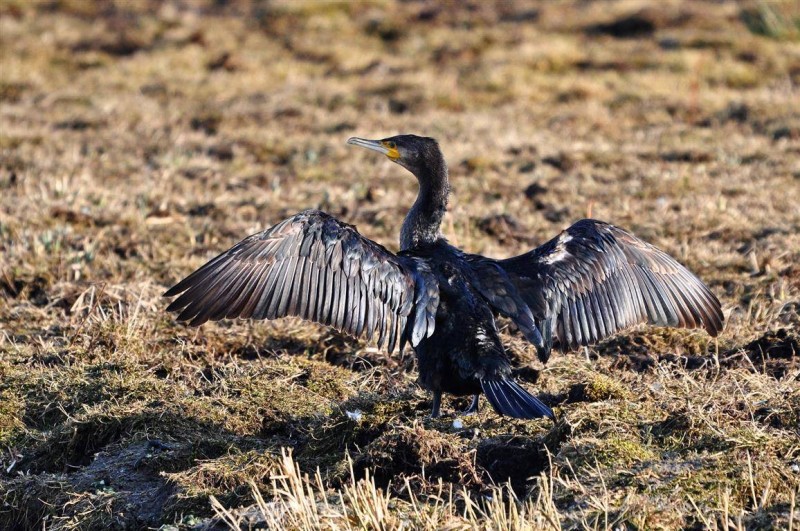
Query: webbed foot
[{"x": 473, "y": 407}]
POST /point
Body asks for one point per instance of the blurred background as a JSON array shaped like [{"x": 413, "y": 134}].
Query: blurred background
[
  {"x": 138, "y": 139},
  {"x": 167, "y": 111}
]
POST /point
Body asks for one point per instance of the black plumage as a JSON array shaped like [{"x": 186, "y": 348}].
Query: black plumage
[
  {"x": 589, "y": 282},
  {"x": 317, "y": 268}
]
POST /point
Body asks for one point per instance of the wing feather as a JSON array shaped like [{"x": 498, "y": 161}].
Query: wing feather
[
  {"x": 244, "y": 298},
  {"x": 313, "y": 266},
  {"x": 595, "y": 279}
]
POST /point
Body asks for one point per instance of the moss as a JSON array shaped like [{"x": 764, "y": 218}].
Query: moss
[
  {"x": 742, "y": 77},
  {"x": 601, "y": 387},
  {"x": 227, "y": 474},
  {"x": 610, "y": 451},
  {"x": 279, "y": 392},
  {"x": 773, "y": 20},
  {"x": 12, "y": 408},
  {"x": 330, "y": 382},
  {"x": 627, "y": 451}
]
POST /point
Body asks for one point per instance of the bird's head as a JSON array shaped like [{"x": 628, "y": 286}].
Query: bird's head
[{"x": 418, "y": 154}]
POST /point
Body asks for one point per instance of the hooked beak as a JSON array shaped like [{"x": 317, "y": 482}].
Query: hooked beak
[{"x": 375, "y": 145}]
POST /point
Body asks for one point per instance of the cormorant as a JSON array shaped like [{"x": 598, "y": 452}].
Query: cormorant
[{"x": 587, "y": 283}]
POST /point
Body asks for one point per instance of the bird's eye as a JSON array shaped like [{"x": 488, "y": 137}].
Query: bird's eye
[{"x": 391, "y": 145}]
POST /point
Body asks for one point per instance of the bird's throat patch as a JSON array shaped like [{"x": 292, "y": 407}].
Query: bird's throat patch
[{"x": 392, "y": 152}]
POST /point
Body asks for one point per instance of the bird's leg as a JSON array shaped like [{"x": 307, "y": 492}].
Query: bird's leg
[
  {"x": 473, "y": 407},
  {"x": 437, "y": 403}
]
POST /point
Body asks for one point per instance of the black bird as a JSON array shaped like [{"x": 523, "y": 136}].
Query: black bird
[{"x": 585, "y": 284}]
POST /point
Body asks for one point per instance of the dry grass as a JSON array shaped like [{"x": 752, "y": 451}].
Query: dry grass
[
  {"x": 300, "y": 502},
  {"x": 137, "y": 139}
]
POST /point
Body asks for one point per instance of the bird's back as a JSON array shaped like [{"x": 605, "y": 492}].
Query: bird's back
[{"x": 465, "y": 346}]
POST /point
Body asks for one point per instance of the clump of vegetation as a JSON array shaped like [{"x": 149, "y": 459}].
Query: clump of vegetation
[
  {"x": 140, "y": 140},
  {"x": 777, "y": 20}
]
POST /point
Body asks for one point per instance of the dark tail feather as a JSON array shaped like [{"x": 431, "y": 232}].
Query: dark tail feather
[{"x": 508, "y": 398}]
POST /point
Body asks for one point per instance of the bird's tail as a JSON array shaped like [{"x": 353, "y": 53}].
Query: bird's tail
[{"x": 508, "y": 398}]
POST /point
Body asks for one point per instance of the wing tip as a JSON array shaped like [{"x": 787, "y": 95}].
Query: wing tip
[
  {"x": 176, "y": 305},
  {"x": 714, "y": 326},
  {"x": 180, "y": 287},
  {"x": 712, "y": 317}
]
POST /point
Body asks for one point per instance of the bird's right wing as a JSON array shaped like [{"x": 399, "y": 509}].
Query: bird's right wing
[
  {"x": 315, "y": 267},
  {"x": 595, "y": 279}
]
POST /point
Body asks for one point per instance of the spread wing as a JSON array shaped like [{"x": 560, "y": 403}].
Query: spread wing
[
  {"x": 313, "y": 266},
  {"x": 595, "y": 279}
]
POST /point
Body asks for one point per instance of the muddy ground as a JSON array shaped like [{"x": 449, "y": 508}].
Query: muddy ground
[{"x": 139, "y": 139}]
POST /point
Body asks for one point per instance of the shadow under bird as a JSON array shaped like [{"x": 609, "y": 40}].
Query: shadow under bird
[{"x": 587, "y": 283}]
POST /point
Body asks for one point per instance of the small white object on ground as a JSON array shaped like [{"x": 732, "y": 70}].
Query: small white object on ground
[
  {"x": 457, "y": 424},
  {"x": 354, "y": 415}
]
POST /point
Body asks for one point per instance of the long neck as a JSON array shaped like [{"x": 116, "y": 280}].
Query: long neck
[{"x": 423, "y": 221}]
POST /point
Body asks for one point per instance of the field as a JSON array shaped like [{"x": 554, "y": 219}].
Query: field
[{"x": 138, "y": 140}]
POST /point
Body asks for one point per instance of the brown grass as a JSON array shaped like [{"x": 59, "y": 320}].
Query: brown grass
[{"x": 138, "y": 139}]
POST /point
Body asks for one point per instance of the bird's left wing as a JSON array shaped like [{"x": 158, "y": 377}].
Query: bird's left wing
[
  {"x": 315, "y": 267},
  {"x": 595, "y": 279}
]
